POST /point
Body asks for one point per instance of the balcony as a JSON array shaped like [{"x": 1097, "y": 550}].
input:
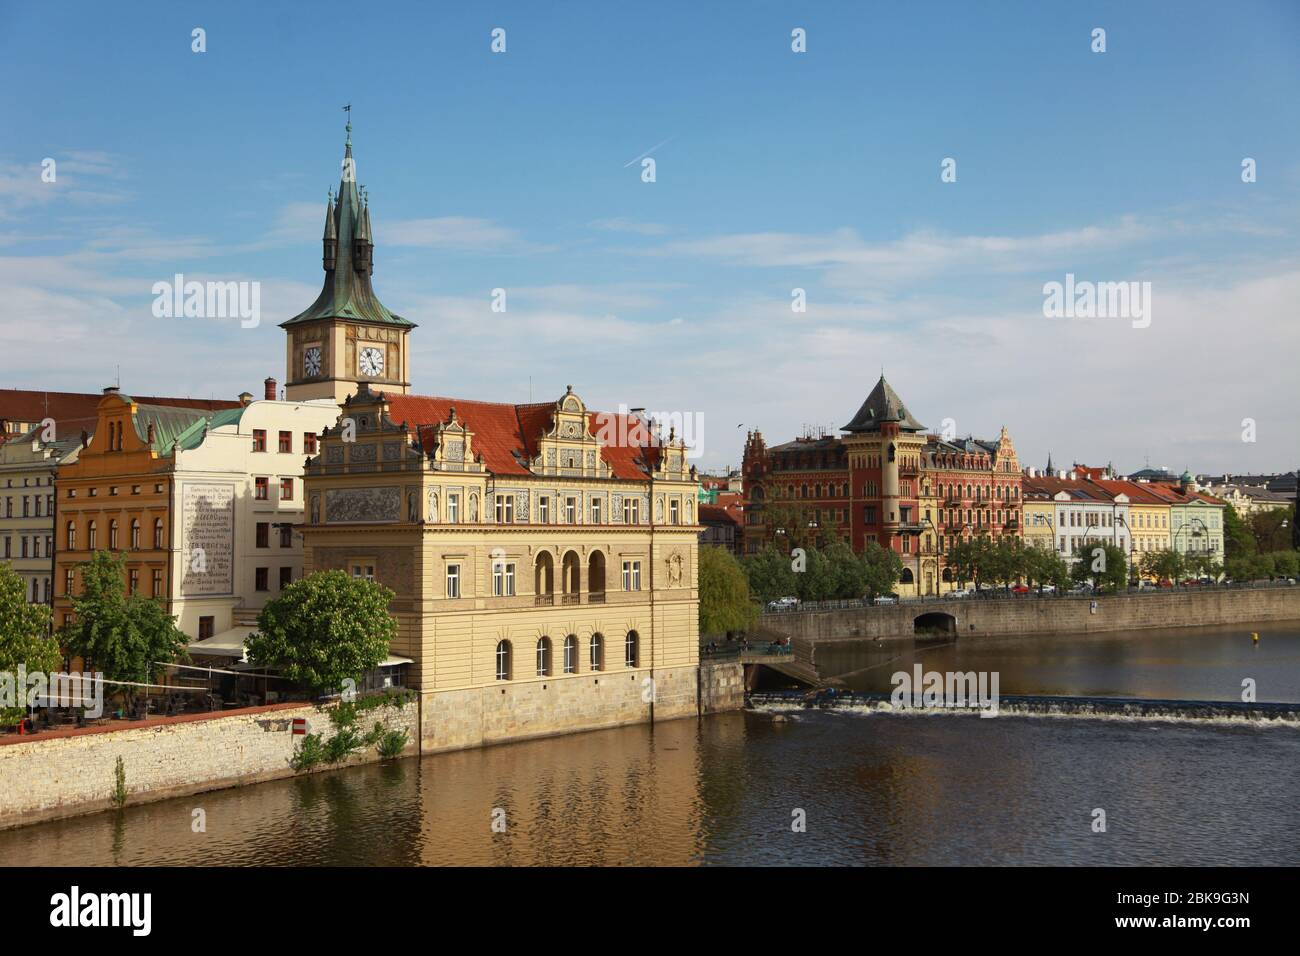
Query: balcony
[
  {"x": 596, "y": 597},
  {"x": 544, "y": 600},
  {"x": 571, "y": 599}
]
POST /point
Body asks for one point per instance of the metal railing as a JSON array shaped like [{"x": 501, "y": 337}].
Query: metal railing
[{"x": 1003, "y": 594}]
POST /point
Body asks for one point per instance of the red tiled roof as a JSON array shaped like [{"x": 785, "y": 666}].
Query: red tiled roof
[
  {"x": 74, "y": 411},
  {"x": 506, "y": 435},
  {"x": 716, "y": 514}
]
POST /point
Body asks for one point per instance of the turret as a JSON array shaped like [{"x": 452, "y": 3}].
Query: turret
[
  {"x": 363, "y": 247},
  {"x": 330, "y": 240}
]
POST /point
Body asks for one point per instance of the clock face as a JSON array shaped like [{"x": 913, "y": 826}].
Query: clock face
[
  {"x": 371, "y": 361},
  {"x": 311, "y": 361}
]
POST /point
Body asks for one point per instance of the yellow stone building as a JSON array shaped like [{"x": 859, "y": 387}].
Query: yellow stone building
[{"x": 543, "y": 556}]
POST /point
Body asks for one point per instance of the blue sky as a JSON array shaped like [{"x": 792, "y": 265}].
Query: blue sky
[{"x": 775, "y": 171}]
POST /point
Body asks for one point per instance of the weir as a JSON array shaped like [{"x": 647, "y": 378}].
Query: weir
[{"x": 1044, "y": 705}]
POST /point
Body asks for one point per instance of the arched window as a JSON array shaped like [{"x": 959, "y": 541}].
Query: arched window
[
  {"x": 157, "y": 534},
  {"x": 947, "y": 575},
  {"x": 91, "y": 536},
  {"x": 906, "y": 576},
  {"x": 135, "y": 534},
  {"x": 597, "y": 652},
  {"x": 570, "y": 579},
  {"x": 544, "y": 578},
  {"x": 631, "y": 651},
  {"x": 570, "y": 655},
  {"x": 596, "y": 577},
  {"x": 503, "y": 660},
  {"x": 544, "y": 657},
  {"x": 72, "y": 536},
  {"x": 112, "y": 534}
]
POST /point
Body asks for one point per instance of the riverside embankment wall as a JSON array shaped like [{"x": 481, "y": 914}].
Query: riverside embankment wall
[
  {"x": 68, "y": 773},
  {"x": 1045, "y": 615}
]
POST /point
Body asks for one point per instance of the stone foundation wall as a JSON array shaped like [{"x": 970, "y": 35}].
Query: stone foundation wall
[
  {"x": 518, "y": 710},
  {"x": 722, "y": 686},
  {"x": 42, "y": 779}
]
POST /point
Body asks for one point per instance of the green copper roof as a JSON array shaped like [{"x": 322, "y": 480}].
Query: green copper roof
[
  {"x": 347, "y": 292},
  {"x": 169, "y": 423}
]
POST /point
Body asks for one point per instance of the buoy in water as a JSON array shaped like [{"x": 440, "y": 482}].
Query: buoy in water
[{"x": 1254, "y": 636}]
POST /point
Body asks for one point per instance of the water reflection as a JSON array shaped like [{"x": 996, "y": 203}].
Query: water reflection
[
  {"x": 1182, "y": 664},
  {"x": 875, "y": 790}
]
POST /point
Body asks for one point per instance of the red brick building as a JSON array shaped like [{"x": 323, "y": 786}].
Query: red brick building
[{"x": 885, "y": 479}]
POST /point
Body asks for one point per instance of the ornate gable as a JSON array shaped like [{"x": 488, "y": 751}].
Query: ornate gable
[{"x": 568, "y": 448}]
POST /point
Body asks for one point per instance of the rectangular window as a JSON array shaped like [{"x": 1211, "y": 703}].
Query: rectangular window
[
  {"x": 453, "y": 580},
  {"x": 134, "y": 580},
  {"x": 286, "y": 536},
  {"x": 503, "y": 579},
  {"x": 505, "y": 508},
  {"x": 308, "y": 443},
  {"x": 69, "y": 582},
  {"x": 453, "y": 508},
  {"x": 207, "y": 627},
  {"x": 631, "y": 510},
  {"x": 595, "y": 511},
  {"x": 260, "y": 580},
  {"x": 543, "y": 509},
  {"x": 631, "y": 575},
  {"x": 673, "y": 512},
  {"x": 286, "y": 577},
  {"x": 366, "y": 571},
  {"x": 286, "y": 489},
  {"x": 260, "y": 489},
  {"x": 570, "y": 510},
  {"x": 286, "y": 443},
  {"x": 259, "y": 439},
  {"x": 157, "y": 582},
  {"x": 263, "y": 534}
]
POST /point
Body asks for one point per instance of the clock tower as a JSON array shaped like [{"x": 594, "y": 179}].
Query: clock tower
[{"x": 347, "y": 336}]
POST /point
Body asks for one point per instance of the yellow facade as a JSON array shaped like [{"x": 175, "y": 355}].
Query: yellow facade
[{"x": 551, "y": 599}]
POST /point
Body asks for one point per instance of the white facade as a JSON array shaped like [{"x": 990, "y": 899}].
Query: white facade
[
  {"x": 1078, "y": 520},
  {"x": 235, "y": 501}
]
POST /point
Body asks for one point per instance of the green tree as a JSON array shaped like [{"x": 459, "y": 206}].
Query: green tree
[
  {"x": 1100, "y": 563},
  {"x": 816, "y": 582},
  {"x": 324, "y": 629},
  {"x": 1238, "y": 540},
  {"x": 24, "y": 640},
  {"x": 1286, "y": 564},
  {"x": 1165, "y": 565},
  {"x": 129, "y": 638},
  {"x": 1271, "y": 529},
  {"x": 881, "y": 570},
  {"x": 725, "y": 603},
  {"x": 770, "y": 574},
  {"x": 973, "y": 560},
  {"x": 848, "y": 573},
  {"x": 1044, "y": 566}
]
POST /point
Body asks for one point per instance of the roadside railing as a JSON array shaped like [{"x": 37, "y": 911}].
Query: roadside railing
[{"x": 1002, "y": 594}]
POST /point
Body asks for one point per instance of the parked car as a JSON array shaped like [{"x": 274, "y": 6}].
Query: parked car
[
  {"x": 783, "y": 604},
  {"x": 1021, "y": 589},
  {"x": 958, "y": 593},
  {"x": 1047, "y": 588},
  {"x": 885, "y": 599}
]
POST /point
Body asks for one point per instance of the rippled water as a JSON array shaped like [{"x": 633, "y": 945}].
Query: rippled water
[
  {"x": 1204, "y": 663},
  {"x": 875, "y": 789}
]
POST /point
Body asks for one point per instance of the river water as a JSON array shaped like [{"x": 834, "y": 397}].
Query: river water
[{"x": 731, "y": 789}]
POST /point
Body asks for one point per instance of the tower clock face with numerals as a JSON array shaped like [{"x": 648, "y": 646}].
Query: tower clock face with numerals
[
  {"x": 371, "y": 362},
  {"x": 311, "y": 361}
]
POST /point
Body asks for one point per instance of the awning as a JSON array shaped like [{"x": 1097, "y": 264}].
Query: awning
[
  {"x": 226, "y": 644},
  {"x": 393, "y": 661}
]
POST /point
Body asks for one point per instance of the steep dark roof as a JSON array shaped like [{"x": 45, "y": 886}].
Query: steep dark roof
[
  {"x": 347, "y": 293},
  {"x": 883, "y": 405}
]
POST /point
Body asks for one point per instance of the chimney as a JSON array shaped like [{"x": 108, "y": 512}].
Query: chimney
[
  {"x": 269, "y": 386},
  {"x": 112, "y": 390},
  {"x": 245, "y": 398}
]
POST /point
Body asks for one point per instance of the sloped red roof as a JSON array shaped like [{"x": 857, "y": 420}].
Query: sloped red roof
[
  {"x": 80, "y": 408},
  {"x": 506, "y": 435},
  {"x": 717, "y": 514}
]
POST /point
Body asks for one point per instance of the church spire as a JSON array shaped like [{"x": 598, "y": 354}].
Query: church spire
[{"x": 348, "y": 257}]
